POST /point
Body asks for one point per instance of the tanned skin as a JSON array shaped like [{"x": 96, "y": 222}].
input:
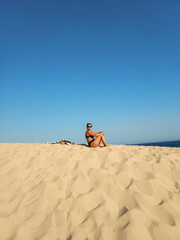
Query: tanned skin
[{"x": 99, "y": 137}]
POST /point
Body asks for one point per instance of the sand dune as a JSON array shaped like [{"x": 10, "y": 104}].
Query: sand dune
[{"x": 72, "y": 192}]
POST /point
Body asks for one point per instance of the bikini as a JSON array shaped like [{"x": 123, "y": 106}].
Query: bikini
[{"x": 89, "y": 143}]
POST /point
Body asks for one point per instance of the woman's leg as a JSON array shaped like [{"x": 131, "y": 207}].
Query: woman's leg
[
  {"x": 104, "y": 141},
  {"x": 97, "y": 141}
]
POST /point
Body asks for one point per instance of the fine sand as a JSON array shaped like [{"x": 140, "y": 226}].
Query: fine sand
[{"x": 72, "y": 192}]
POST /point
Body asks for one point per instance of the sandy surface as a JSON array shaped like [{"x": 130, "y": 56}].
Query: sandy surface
[{"x": 56, "y": 192}]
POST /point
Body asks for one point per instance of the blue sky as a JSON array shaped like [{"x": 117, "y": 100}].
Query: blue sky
[{"x": 112, "y": 63}]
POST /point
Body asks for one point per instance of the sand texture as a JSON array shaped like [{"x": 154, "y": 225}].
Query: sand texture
[{"x": 72, "y": 192}]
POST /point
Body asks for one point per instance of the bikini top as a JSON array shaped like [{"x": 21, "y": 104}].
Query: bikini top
[{"x": 89, "y": 136}]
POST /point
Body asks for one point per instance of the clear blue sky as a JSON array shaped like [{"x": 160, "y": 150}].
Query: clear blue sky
[{"x": 115, "y": 64}]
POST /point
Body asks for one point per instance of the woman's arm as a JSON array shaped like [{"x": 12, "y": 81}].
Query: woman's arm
[
  {"x": 95, "y": 134},
  {"x": 102, "y": 133}
]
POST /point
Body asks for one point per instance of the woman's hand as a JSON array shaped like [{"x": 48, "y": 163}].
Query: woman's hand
[
  {"x": 95, "y": 134},
  {"x": 101, "y": 133}
]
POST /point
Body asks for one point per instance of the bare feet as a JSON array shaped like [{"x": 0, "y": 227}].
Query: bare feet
[{"x": 107, "y": 145}]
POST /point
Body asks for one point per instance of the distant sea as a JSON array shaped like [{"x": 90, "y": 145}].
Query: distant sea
[{"x": 161, "y": 144}]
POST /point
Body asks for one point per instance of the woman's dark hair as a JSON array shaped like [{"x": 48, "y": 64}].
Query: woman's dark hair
[{"x": 88, "y": 124}]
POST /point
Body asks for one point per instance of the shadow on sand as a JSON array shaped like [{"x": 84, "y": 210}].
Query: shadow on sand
[{"x": 86, "y": 145}]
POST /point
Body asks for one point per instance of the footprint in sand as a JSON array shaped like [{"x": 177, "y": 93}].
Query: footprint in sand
[{"x": 122, "y": 211}]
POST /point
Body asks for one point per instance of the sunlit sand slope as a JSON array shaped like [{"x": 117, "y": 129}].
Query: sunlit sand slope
[{"x": 56, "y": 192}]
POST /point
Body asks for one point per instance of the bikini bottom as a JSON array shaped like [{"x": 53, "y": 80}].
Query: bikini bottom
[{"x": 89, "y": 143}]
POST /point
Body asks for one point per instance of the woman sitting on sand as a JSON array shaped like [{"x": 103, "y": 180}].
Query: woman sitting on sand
[{"x": 94, "y": 142}]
